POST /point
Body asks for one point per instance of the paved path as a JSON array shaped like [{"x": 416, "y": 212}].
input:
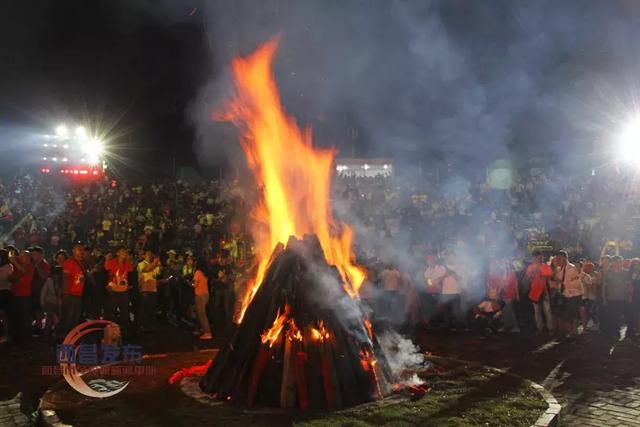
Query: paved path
[
  {"x": 596, "y": 383},
  {"x": 10, "y": 415}
]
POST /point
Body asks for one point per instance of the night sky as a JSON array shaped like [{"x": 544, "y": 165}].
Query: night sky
[
  {"x": 428, "y": 82},
  {"x": 120, "y": 65}
]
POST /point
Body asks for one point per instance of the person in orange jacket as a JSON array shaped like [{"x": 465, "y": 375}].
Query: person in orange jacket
[{"x": 537, "y": 275}]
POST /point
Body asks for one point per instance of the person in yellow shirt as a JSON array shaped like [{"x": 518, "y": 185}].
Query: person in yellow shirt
[{"x": 148, "y": 272}]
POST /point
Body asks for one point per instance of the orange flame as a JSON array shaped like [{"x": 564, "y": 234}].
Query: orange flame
[
  {"x": 321, "y": 333},
  {"x": 294, "y": 177},
  {"x": 293, "y": 333},
  {"x": 271, "y": 336},
  {"x": 367, "y": 325},
  {"x": 369, "y": 362}
]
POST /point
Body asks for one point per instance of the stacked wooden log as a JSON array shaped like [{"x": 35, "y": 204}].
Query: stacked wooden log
[{"x": 294, "y": 350}]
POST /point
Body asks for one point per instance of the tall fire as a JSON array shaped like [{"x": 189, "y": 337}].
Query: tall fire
[
  {"x": 300, "y": 338},
  {"x": 295, "y": 177}
]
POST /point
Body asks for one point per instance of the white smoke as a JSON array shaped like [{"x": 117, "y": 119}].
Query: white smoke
[{"x": 402, "y": 354}]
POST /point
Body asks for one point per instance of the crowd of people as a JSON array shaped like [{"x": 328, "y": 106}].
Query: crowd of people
[
  {"x": 125, "y": 253},
  {"x": 551, "y": 296},
  {"x": 440, "y": 254}
]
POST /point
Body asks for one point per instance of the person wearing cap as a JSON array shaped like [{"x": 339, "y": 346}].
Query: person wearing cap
[{"x": 73, "y": 280}]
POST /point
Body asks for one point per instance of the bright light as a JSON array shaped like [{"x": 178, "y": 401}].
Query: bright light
[
  {"x": 45, "y": 145},
  {"x": 44, "y": 158},
  {"x": 64, "y": 159},
  {"x": 93, "y": 150},
  {"x": 365, "y": 167},
  {"x": 55, "y": 159},
  {"x": 62, "y": 130},
  {"x": 66, "y": 145},
  {"x": 629, "y": 142},
  {"x": 81, "y": 132},
  {"x": 385, "y": 166}
]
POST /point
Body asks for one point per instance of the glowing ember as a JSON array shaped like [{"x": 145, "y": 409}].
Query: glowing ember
[
  {"x": 367, "y": 324},
  {"x": 369, "y": 364},
  {"x": 294, "y": 177},
  {"x": 321, "y": 333},
  {"x": 293, "y": 333},
  {"x": 271, "y": 336}
]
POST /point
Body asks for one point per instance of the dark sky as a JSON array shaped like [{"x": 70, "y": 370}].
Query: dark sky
[
  {"x": 450, "y": 81},
  {"x": 121, "y": 65}
]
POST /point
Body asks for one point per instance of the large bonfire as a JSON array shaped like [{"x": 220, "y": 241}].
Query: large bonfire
[{"x": 300, "y": 338}]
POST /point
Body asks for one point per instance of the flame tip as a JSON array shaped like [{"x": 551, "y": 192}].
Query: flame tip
[{"x": 293, "y": 176}]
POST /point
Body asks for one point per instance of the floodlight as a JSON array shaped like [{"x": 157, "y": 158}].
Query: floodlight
[
  {"x": 62, "y": 130},
  {"x": 629, "y": 142},
  {"x": 81, "y": 132},
  {"x": 93, "y": 150}
]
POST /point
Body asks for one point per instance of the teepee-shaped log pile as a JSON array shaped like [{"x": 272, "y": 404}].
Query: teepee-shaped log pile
[{"x": 302, "y": 343}]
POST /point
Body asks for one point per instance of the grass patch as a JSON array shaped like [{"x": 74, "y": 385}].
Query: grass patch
[{"x": 459, "y": 396}]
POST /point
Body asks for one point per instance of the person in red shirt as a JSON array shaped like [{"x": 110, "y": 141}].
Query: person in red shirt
[
  {"x": 503, "y": 282},
  {"x": 118, "y": 297},
  {"x": 73, "y": 278},
  {"x": 21, "y": 296},
  {"x": 537, "y": 275}
]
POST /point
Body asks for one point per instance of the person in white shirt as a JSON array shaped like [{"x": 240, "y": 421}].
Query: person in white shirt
[
  {"x": 588, "y": 293},
  {"x": 450, "y": 281},
  {"x": 567, "y": 276}
]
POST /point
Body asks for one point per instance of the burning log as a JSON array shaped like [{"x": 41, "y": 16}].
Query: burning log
[
  {"x": 333, "y": 397},
  {"x": 259, "y": 364},
  {"x": 289, "y": 351},
  {"x": 287, "y": 386},
  {"x": 311, "y": 284},
  {"x": 301, "y": 379}
]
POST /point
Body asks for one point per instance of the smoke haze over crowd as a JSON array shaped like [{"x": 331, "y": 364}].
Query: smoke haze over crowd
[{"x": 441, "y": 82}]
